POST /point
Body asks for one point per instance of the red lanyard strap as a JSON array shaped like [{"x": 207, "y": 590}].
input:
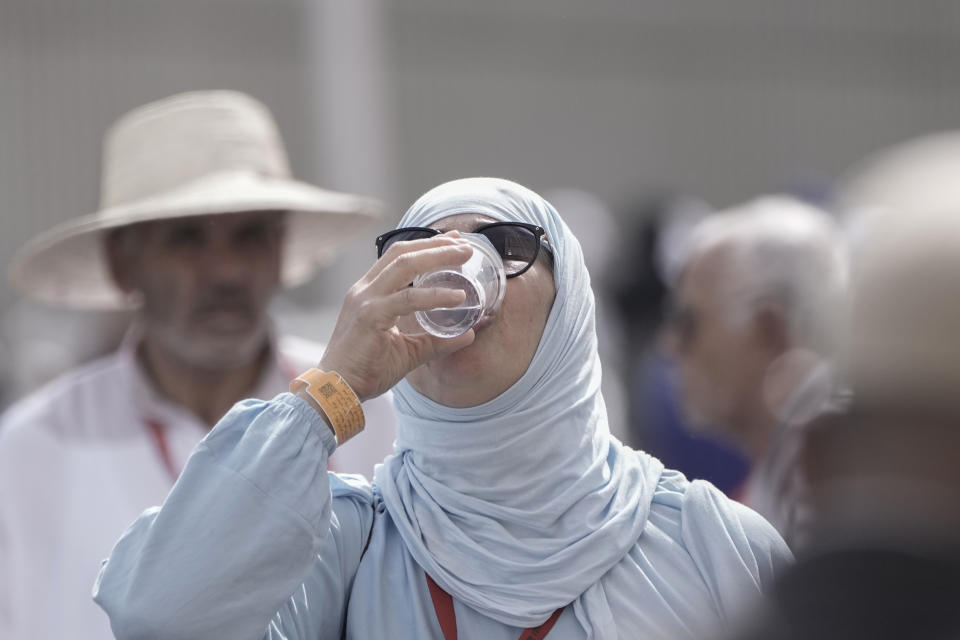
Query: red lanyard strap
[
  {"x": 159, "y": 438},
  {"x": 443, "y": 605}
]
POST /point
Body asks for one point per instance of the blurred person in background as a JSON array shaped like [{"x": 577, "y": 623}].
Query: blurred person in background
[
  {"x": 859, "y": 594},
  {"x": 754, "y": 327},
  {"x": 5, "y": 373},
  {"x": 884, "y": 471},
  {"x": 891, "y": 470},
  {"x": 658, "y": 240},
  {"x": 200, "y": 224},
  {"x": 45, "y": 340}
]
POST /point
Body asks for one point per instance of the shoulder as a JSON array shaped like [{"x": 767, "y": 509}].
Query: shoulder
[
  {"x": 705, "y": 505},
  {"x": 354, "y": 511},
  {"x": 352, "y": 493},
  {"x": 351, "y": 486},
  {"x": 59, "y": 407},
  {"x": 699, "y": 502},
  {"x": 719, "y": 533}
]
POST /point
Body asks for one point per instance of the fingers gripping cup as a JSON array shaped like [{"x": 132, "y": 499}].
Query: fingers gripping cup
[{"x": 482, "y": 278}]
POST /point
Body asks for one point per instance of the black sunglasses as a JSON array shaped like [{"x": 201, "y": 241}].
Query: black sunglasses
[{"x": 518, "y": 243}]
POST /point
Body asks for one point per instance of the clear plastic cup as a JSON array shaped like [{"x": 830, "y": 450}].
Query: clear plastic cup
[{"x": 482, "y": 278}]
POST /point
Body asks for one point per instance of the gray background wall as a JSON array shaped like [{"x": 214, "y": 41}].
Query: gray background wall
[{"x": 725, "y": 99}]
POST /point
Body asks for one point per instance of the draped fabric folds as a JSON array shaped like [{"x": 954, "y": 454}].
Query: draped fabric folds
[{"x": 519, "y": 506}]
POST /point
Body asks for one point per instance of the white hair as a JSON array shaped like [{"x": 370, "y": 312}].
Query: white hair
[{"x": 785, "y": 251}]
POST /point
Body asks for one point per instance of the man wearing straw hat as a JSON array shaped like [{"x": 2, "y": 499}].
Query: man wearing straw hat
[{"x": 200, "y": 223}]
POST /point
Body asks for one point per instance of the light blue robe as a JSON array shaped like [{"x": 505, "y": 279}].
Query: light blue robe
[{"x": 257, "y": 540}]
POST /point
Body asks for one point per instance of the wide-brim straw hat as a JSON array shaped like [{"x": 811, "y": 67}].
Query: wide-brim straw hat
[{"x": 193, "y": 154}]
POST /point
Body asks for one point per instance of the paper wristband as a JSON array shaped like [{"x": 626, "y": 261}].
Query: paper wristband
[{"x": 337, "y": 400}]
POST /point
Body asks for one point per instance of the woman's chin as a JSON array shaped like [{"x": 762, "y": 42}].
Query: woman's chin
[
  {"x": 454, "y": 379},
  {"x": 461, "y": 367}
]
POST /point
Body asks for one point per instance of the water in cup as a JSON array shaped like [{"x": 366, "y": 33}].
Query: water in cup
[
  {"x": 448, "y": 322},
  {"x": 481, "y": 277}
]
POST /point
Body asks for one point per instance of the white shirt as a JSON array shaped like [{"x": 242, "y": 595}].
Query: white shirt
[
  {"x": 776, "y": 487},
  {"x": 78, "y": 463}
]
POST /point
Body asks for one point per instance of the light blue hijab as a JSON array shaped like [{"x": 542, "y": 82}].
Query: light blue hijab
[{"x": 519, "y": 506}]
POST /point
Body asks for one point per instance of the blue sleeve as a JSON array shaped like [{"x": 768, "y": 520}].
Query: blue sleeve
[
  {"x": 250, "y": 543},
  {"x": 737, "y": 552}
]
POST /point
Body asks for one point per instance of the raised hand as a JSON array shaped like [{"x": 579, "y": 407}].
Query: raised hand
[{"x": 366, "y": 347}]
